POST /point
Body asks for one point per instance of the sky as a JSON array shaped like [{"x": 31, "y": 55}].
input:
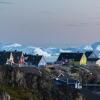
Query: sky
[{"x": 50, "y": 22}]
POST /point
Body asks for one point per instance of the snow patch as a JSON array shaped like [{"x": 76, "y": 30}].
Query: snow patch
[
  {"x": 61, "y": 50},
  {"x": 98, "y": 55},
  {"x": 88, "y": 47},
  {"x": 41, "y": 52},
  {"x": 98, "y": 48},
  {"x": 13, "y": 45}
]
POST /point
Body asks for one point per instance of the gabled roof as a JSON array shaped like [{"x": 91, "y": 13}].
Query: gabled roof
[
  {"x": 91, "y": 56},
  {"x": 88, "y": 53},
  {"x": 4, "y": 56},
  {"x": 33, "y": 59},
  {"x": 17, "y": 55},
  {"x": 66, "y": 56}
]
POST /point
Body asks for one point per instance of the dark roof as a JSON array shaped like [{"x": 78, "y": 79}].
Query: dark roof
[
  {"x": 3, "y": 57},
  {"x": 17, "y": 55},
  {"x": 66, "y": 56},
  {"x": 93, "y": 59},
  {"x": 33, "y": 59},
  {"x": 91, "y": 56},
  {"x": 88, "y": 53}
]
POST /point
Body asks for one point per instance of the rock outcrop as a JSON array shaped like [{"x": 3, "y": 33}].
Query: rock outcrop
[{"x": 4, "y": 96}]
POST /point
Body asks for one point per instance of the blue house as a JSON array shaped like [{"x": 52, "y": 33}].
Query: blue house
[
  {"x": 35, "y": 60},
  {"x": 75, "y": 84}
]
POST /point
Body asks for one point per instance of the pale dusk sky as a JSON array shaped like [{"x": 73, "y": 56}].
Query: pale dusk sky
[{"x": 50, "y": 22}]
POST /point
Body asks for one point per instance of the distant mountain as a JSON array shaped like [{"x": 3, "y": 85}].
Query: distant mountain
[
  {"x": 96, "y": 48},
  {"x": 88, "y": 48},
  {"x": 50, "y": 51},
  {"x": 25, "y": 49},
  {"x": 11, "y": 47}
]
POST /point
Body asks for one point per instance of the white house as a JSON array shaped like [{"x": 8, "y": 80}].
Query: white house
[
  {"x": 98, "y": 62},
  {"x": 42, "y": 62},
  {"x": 35, "y": 60}
]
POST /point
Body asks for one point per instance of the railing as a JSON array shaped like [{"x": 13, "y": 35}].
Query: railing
[{"x": 92, "y": 85}]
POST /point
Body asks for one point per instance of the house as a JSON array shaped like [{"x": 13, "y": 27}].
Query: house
[
  {"x": 73, "y": 58},
  {"x": 35, "y": 60},
  {"x": 98, "y": 62},
  {"x": 6, "y": 58},
  {"x": 18, "y": 57},
  {"x": 10, "y": 58},
  {"x": 88, "y": 53},
  {"x": 83, "y": 60},
  {"x": 66, "y": 80},
  {"x": 91, "y": 57}
]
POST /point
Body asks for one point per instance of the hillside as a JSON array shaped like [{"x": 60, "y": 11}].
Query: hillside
[{"x": 31, "y": 84}]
